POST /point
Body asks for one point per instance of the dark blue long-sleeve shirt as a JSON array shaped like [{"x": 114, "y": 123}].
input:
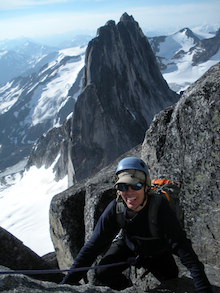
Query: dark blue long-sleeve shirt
[{"x": 171, "y": 235}]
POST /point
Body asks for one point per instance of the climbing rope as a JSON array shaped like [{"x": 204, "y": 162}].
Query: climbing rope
[{"x": 131, "y": 261}]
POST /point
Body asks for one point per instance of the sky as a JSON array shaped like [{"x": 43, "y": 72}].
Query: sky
[{"x": 32, "y": 18}]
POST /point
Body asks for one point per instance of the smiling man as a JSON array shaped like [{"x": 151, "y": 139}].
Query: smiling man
[
  {"x": 134, "y": 198},
  {"x": 133, "y": 185}
]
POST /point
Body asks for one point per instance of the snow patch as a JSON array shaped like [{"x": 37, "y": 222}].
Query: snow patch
[
  {"x": 9, "y": 98},
  {"x": 48, "y": 99},
  {"x": 187, "y": 74},
  {"x": 69, "y": 116},
  {"x": 3, "y": 53},
  {"x": 24, "y": 207},
  {"x": 133, "y": 116}
]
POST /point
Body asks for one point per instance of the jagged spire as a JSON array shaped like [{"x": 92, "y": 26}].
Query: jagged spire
[{"x": 122, "y": 90}]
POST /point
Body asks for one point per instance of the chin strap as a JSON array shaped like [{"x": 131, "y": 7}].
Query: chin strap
[
  {"x": 145, "y": 197},
  {"x": 145, "y": 193}
]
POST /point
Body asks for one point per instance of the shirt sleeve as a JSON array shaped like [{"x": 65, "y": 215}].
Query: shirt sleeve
[
  {"x": 103, "y": 234},
  {"x": 180, "y": 245}
]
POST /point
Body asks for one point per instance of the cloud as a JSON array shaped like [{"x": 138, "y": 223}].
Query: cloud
[
  {"x": 51, "y": 23},
  {"x": 33, "y": 22},
  {"x": 20, "y": 4},
  {"x": 179, "y": 14}
]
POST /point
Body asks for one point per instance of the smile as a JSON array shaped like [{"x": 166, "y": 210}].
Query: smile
[{"x": 131, "y": 198}]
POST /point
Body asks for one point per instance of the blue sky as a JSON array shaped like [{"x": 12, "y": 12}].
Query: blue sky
[{"x": 30, "y": 18}]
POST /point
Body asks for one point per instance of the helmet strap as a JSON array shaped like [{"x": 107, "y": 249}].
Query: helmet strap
[
  {"x": 145, "y": 192},
  {"x": 145, "y": 197}
]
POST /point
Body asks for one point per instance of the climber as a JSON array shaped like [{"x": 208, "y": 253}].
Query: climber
[{"x": 133, "y": 185}]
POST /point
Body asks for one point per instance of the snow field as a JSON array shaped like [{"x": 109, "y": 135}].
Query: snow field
[{"x": 24, "y": 207}]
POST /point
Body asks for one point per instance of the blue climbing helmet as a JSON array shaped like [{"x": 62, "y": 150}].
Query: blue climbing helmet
[{"x": 131, "y": 170}]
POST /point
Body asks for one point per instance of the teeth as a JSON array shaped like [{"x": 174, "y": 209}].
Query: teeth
[{"x": 131, "y": 198}]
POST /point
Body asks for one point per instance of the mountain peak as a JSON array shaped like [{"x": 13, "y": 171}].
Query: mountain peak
[
  {"x": 189, "y": 34},
  {"x": 110, "y": 23},
  {"x": 125, "y": 17},
  {"x": 122, "y": 90}
]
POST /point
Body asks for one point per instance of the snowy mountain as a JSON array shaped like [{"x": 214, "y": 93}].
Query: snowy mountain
[
  {"x": 30, "y": 106},
  {"x": 77, "y": 41},
  {"x": 21, "y": 57},
  {"x": 61, "y": 41},
  {"x": 184, "y": 56},
  {"x": 206, "y": 30}
]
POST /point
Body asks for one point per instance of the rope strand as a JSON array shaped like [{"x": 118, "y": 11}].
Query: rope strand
[{"x": 131, "y": 261}]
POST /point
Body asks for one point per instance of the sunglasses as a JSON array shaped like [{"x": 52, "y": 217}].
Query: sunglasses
[{"x": 124, "y": 186}]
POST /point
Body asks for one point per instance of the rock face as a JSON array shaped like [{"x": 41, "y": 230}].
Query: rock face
[
  {"x": 16, "y": 256},
  {"x": 122, "y": 90},
  {"x": 24, "y": 284},
  {"x": 50, "y": 147},
  {"x": 182, "y": 143},
  {"x": 207, "y": 48}
]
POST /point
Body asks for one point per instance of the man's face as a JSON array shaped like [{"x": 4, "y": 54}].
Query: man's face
[{"x": 134, "y": 198}]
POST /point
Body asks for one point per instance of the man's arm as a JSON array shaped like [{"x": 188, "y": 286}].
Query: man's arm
[
  {"x": 181, "y": 246},
  {"x": 103, "y": 234}
]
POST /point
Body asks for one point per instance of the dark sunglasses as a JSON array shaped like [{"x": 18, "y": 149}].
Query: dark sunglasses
[{"x": 124, "y": 186}]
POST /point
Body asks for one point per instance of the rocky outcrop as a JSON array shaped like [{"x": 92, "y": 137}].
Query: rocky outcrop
[
  {"x": 206, "y": 49},
  {"x": 122, "y": 90},
  {"x": 183, "y": 144},
  {"x": 16, "y": 256},
  {"x": 20, "y": 283},
  {"x": 50, "y": 148}
]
